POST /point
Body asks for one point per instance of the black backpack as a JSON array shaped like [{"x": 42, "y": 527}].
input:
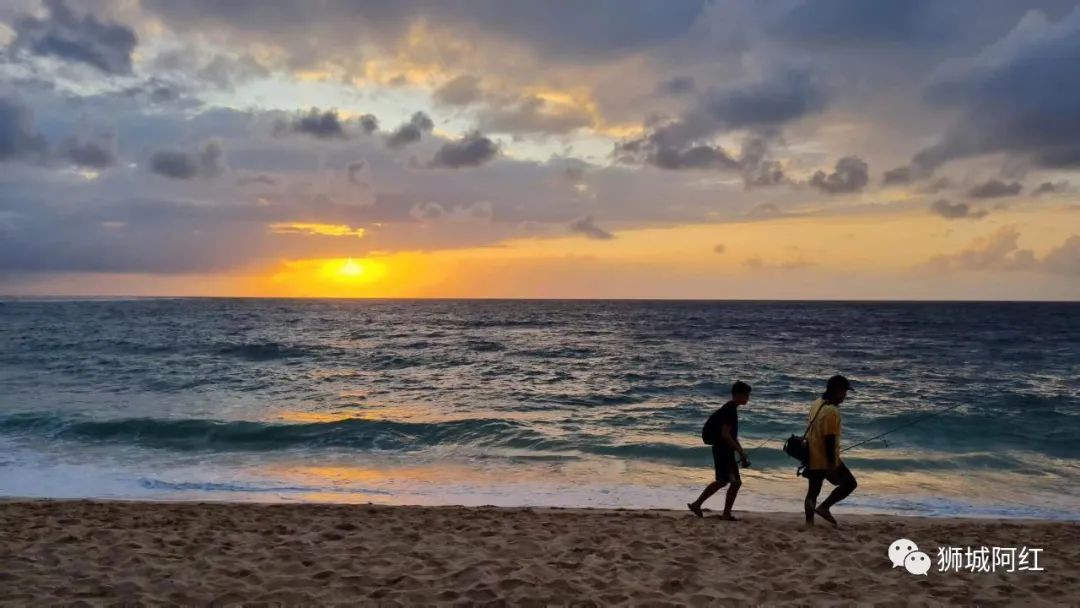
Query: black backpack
[{"x": 708, "y": 431}]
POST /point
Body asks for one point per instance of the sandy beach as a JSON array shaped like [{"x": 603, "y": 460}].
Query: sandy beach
[{"x": 112, "y": 553}]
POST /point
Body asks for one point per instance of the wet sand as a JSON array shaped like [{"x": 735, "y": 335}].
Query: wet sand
[{"x": 127, "y": 553}]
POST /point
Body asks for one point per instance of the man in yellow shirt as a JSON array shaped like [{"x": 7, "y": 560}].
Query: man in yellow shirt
[{"x": 823, "y": 438}]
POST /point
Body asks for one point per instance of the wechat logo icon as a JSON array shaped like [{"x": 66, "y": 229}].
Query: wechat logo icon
[{"x": 904, "y": 553}]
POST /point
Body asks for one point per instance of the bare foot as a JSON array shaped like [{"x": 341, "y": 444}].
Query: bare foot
[
  {"x": 824, "y": 513},
  {"x": 696, "y": 510},
  {"x": 728, "y": 517}
]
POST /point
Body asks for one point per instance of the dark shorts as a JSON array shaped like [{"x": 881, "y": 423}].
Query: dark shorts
[
  {"x": 726, "y": 469},
  {"x": 838, "y": 476}
]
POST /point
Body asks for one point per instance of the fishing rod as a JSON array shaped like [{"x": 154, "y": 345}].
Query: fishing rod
[
  {"x": 875, "y": 437},
  {"x": 913, "y": 422}
]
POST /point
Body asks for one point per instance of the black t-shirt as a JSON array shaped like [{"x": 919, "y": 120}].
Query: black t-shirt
[{"x": 727, "y": 414}]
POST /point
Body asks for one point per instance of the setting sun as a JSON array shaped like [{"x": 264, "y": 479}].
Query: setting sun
[{"x": 350, "y": 269}]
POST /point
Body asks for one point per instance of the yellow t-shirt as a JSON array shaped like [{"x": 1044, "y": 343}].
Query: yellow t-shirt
[{"x": 827, "y": 423}]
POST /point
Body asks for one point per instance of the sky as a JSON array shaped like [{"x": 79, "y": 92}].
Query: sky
[{"x": 757, "y": 149}]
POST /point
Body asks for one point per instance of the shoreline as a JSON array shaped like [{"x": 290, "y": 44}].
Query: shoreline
[{"x": 108, "y": 551}]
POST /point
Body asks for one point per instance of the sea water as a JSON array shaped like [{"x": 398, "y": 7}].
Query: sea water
[{"x": 558, "y": 403}]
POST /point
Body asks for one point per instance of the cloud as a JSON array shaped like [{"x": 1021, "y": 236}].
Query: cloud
[
  {"x": 472, "y": 150},
  {"x": 312, "y": 228},
  {"x": 900, "y": 175},
  {"x": 84, "y": 39},
  {"x": 18, "y": 135},
  {"x": 955, "y": 211},
  {"x": 316, "y": 123},
  {"x": 94, "y": 154},
  {"x": 758, "y": 170},
  {"x": 355, "y": 171},
  {"x": 260, "y": 178},
  {"x": 760, "y": 105},
  {"x": 679, "y": 85},
  {"x": 995, "y": 189},
  {"x": 695, "y": 157},
  {"x": 587, "y": 226},
  {"x": 851, "y": 174},
  {"x": 1019, "y": 97},
  {"x": 573, "y": 174},
  {"x": 844, "y": 23},
  {"x": 411, "y": 131},
  {"x": 368, "y": 123},
  {"x": 561, "y": 29},
  {"x": 999, "y": 251},
  {"x": 766, "y": 211},
  {"x": 1064, "y": 259},
  {"x": 785, "y": 96},
  {"x": 533, "y": 114},
  {"x": 460, "y": 91},
  {"x": 208, "y": 163},
  {"x": 757, "y": 263},
  {"x": 1053, "y": 188}
]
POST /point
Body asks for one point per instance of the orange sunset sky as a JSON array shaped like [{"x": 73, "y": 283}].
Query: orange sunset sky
[{"x": 680, "y": 149}]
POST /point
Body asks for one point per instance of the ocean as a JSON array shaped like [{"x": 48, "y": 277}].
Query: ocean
[{"x": 545, "y": 403}]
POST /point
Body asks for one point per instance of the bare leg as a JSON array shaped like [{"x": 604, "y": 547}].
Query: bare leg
[
  {"x": 732, "y": 492},
  {"x": 813, "y": 489},
  {"x": 709, "y": 490},
  {"x": 845, "y": 485}
]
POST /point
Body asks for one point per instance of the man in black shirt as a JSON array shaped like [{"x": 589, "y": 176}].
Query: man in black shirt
[{"x": 721, "y": 431}]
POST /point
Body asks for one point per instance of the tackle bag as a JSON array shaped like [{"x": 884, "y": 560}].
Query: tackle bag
[{"x": 799, "y": 447}]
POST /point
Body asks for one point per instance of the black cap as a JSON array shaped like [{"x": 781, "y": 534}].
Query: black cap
[{"x": 837, "y": 383}]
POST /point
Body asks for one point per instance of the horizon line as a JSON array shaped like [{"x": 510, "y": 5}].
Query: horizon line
[{"x": 78, "y": 297}]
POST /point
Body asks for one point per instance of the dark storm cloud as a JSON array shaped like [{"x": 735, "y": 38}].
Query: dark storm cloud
[
  {"x": 679, "y": 85},
  {"x": 828, "y": 23},
  {"x": 758, "y": 170},
  {"x": 472, "y": 150},
  {"x": 995, "y": 189},
  {"x": 316, "y": 123},
  {"x": 588, "y": 226},
  {"x": 851, "y": 174},
  {"x": 368, "y": 123},
  {"x": 762, "y": 105},
  {"x": 1020, "y": 97},
  {"x": 785, "y": 96},
  {"x": 354, "y": 171},
  {"x": 174, "y": 164},
  {"x": 766, "y": 173},
  {"x": 899, "y": 175},
  {"x": 411, "y": 131},
  {"x": 954, "y": 211},
  {"x": 695, "y": 157},
  {"x": 461, "y": 91},
  {"x": 18, "y": 134},
  {"x": 207, "y": 163},
  {"x": 564, "y": 29},
  {"x": 1052, "y": 188},
  {"x": 78, "y": 38},
  {"x": 94, "y": 154}
]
